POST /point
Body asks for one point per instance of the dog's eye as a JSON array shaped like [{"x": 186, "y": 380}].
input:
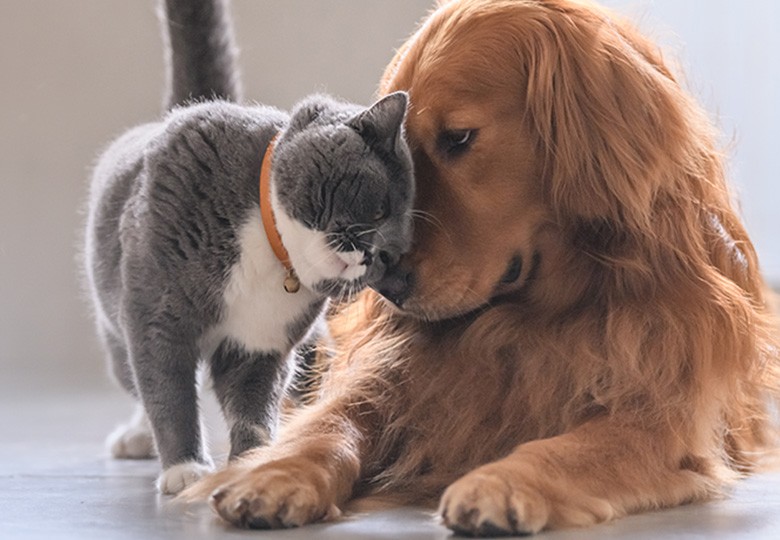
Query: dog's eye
[
  {"x": 455, "y": 142},
  {"x": 513, "y": 270}
]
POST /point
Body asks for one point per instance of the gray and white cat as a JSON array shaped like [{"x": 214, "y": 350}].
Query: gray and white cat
[{"x": 179, "y": 266}]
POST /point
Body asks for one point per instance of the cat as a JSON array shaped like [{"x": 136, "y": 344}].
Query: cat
[{"x": 182, "y": 268}]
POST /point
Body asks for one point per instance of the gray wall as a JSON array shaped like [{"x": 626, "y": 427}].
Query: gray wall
[{"x": 75, "y": 73}]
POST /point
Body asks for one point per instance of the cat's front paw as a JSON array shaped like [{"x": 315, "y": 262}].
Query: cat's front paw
[
  {"x": 174, "y": 479},
  {"x": 275, "y": 496}
]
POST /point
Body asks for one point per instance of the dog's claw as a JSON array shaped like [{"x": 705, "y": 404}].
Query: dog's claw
[{"x": 217, "y": 496}]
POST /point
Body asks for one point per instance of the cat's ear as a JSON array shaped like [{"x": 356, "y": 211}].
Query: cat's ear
[
  {"x": 382, "y": 123},
  {"x": 308, "y": 110}
]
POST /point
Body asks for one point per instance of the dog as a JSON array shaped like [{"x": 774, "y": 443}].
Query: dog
[{"x": 580, "y": 330}]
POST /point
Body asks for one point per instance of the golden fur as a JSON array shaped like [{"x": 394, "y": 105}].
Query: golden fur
[{"x": 630, "y": 364}]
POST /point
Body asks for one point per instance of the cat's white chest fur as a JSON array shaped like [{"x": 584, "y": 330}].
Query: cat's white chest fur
[{"x": 258, "y": 311}]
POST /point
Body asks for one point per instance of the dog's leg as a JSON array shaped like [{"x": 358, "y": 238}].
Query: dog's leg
[
  {"x": 601, "y": 470},
  {"x": 302, "y": 478}
]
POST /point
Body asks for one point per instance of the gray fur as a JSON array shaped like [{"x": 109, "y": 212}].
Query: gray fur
[
  {"x": 338, "y": 164},
  {"x": 201, "y": 48},
  {"x": 168, "y": 203}
]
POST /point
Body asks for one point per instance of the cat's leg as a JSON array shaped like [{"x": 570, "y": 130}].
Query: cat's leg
[
  {"x": 165, "y": 362},
  {"x": 249, "y": 387},
  {"x": 119, "y": 361},
  {"x": 133, "y": 439}
]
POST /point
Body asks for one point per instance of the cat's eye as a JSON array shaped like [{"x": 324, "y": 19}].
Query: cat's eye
[{"x": 455, "y": 142}]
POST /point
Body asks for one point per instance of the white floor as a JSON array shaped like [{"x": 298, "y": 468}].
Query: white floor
[{"x": 56, "y": 481}]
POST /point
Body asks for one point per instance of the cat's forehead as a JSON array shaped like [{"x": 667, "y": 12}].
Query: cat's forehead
[
  {"x": 364, "y": 166},
  {"x": 345, "y": 150}
]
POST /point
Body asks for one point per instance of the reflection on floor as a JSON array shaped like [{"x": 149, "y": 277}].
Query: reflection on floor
[{"x": 56, "y": 481}]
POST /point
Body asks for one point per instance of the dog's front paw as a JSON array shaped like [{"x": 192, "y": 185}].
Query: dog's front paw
[
  {"x": 497, "y": 502},
  {"x": 277, "y": 495},
  {"x": 174, "y": 479},
  {"x": 484, "y": 504}
]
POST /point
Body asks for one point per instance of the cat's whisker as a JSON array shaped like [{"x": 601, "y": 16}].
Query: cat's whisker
[
  {"x": 373, "y": 248},
  {"x": 427, "y": 216},
  {"x": 432, "y": 220},
  {"x": 367, "y": 231},
  {"x": 333, "y": 240}
]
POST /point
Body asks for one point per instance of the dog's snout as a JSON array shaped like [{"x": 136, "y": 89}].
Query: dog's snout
[
  {"x": 388, "y": 259},
  {"x": 396, "y": 285}
]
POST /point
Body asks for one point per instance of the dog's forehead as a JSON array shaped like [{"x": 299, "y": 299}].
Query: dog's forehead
[
  {"x": 448, "y": 114},
  {"x": 456, "y": 58}
]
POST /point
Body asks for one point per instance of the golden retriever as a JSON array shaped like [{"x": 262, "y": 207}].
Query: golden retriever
[{"x": 580, "y": 331}]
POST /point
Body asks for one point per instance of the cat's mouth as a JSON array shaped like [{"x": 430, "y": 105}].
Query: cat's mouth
[
  {"x": 354, "y": 265},
  {"x": 346, "y": 275}
]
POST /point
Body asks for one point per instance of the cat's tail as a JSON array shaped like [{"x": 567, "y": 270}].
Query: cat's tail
[{"x": 201, "y": 54}]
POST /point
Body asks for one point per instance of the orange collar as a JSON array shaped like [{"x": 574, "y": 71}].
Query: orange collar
[{"x": 291, "y": 281}]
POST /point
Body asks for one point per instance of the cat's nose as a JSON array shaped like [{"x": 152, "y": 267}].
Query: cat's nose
[{"x": 396, "y": 284}]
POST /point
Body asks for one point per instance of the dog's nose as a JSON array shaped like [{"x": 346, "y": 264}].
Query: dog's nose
[{"x": 396, "y": 284}]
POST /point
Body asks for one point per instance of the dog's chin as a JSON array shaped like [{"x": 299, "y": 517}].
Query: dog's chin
[
  {"x": 433, "y": 313},
  {"x": 442, "y": 309}
]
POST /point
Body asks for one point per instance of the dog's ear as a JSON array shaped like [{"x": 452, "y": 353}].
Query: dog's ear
[{"x": 607, "y": 113}]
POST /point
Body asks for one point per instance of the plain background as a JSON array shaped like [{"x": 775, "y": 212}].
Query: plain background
[{"x": 74, "y": 74}]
